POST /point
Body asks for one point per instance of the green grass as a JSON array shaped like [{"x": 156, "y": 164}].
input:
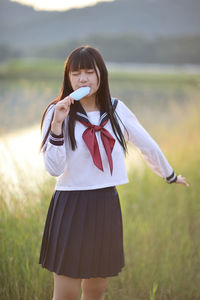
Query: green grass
[
  {"x": 53, "y": 69},
  {"x": 161, "y": 227},
  {"x": 32, "y": 69},
  {"x": 155, "y": 77},
  {"x": 161, "y": 221},
  {"x": 27, "y": 87}
]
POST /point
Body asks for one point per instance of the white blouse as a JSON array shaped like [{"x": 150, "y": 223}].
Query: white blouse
[{"x": 75, "y": 170}]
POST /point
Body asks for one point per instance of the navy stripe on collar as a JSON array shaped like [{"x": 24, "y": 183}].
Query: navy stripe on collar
[{"x": 82, "y": 115}]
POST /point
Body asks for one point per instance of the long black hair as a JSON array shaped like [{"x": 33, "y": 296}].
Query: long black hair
[{"x": 86, "y": 57}]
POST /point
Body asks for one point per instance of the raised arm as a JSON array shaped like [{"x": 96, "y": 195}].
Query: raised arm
[{"x": 54, "y": 152}]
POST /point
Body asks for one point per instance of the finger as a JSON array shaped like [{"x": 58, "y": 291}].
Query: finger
[
  {"x": 185, "y": 183},
  {"x": 69, "y": 100},
  {"x": 66, "y": 102},
  {"x": 182, "y": 181},
  {"x": 66, "y": 99}
]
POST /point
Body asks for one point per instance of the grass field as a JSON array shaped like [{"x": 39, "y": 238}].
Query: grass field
[
  {"x": 161, "y": 221},
  {"x": 26, "y": 87}
]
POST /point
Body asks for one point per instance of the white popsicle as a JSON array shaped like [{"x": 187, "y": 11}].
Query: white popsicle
[{"x": 80, "y": 93}]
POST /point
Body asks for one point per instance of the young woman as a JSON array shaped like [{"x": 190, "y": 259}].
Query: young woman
[{"x": 83, "y": 145}]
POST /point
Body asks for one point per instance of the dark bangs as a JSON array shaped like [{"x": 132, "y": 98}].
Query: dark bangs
[{"x": 81, "y": 59}]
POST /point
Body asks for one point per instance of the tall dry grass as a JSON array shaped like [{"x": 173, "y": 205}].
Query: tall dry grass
[{"x": 161, "y": 225}]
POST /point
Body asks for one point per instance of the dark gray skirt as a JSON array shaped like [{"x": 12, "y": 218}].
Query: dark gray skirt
[{"x": 83, "y": 235}]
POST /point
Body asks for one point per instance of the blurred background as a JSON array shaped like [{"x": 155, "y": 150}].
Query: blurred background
[{"x": 152, "y": 51}]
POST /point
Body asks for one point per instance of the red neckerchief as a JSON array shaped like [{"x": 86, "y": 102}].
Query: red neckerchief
[{"x": 90, "y": 139}]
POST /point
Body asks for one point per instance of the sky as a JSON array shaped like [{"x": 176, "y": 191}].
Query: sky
[{"x": 59, "y": 4}]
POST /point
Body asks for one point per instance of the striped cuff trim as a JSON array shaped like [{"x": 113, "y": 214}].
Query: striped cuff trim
[
  {"x": 172, "y": 178},
  {"x": 55, "y": 135},
  {"x": 57, "y": 140}
]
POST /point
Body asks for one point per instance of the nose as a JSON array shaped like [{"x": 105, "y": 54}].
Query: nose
[{"x": 83, "y": 77}]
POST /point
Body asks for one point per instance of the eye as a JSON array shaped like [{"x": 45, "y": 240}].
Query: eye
[
  {"x": 90, "y": 71},
  {"x": 75, "y": 73}
]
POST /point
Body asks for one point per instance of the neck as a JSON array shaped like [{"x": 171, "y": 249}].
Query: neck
[{"x": 89, "y": 104}]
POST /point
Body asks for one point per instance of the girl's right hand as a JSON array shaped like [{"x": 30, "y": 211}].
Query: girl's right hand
[
  {"x": 61, "y": 111},
  {"x": 62, "y": 108}
]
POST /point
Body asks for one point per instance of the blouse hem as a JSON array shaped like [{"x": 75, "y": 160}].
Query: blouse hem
[{"x": 91, "y": 187}]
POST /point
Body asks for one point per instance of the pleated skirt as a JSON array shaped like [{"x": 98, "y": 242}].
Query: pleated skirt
[{"x": 83, "y": 234}]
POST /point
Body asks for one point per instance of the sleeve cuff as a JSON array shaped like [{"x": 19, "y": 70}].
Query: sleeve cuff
[
  {"x": 57, "y": 140},
  {"x": 172, "y": 178}
]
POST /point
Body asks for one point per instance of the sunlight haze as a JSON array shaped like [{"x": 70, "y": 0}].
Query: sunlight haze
[{"x": 59, "y": 4}]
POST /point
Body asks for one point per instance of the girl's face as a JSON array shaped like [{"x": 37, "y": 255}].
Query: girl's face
[{"x": 85, "y": 77}]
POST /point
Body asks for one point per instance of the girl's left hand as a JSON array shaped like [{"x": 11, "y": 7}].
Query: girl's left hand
[{"x": 182, "y": 180}]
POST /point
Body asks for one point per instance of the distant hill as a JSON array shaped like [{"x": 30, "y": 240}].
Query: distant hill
[
  {"x": 26, "y": 29},
  {"x": 149, "y": 31},
  {"x": 131, "y": 48}
]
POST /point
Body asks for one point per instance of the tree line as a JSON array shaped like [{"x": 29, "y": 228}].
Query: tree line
[{"x": 123, "y": 48}]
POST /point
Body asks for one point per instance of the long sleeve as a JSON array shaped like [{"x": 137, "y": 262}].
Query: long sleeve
[
  {"x": 150, "y": 150},
  {"x": 54, "y": 151}
]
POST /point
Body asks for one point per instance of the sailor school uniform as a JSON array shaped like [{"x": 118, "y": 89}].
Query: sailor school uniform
[
  {"x": 83, "y": 235},
  {"x": 69, "y": 166}
]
